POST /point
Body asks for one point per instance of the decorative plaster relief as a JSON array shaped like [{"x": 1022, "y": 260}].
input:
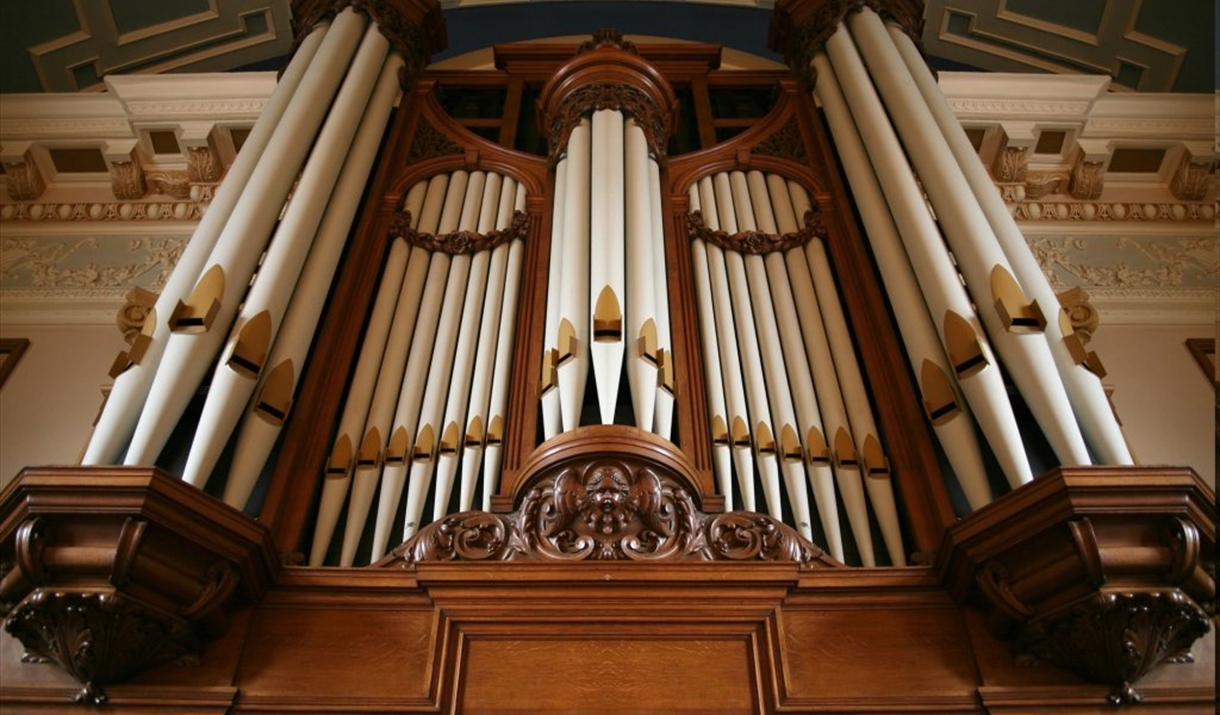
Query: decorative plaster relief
[
  {"x": 1104, "y": 210},
  {"x": 87, "y": 262},
  {"x": 113, "y": 211},
  {"x": 1128, "y": 262}
]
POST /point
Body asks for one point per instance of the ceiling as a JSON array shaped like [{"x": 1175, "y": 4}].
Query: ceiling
[{"x": 68, "y": 45}]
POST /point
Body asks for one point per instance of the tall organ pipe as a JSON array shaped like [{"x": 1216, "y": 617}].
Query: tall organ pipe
[
  {"x": 714, "y": 387},
  {"x": 982, "y": 262},
  {"x": 663, "y": 415},
  {"x": 951, "y": 420},
  {"x": 359, "y": 394},
  {"x": 214, "y": 302},
  {"x": 548, "y": 376},
  {"x": 498, "y": 406},
  {"x": 961, "y": 334},
  {"x": 730, "y": 360},
  {"x": 127, "y": 397},
  {"x": 755, "y": 214},
  {"x": 641, "y": 321},
  {"x": 262, "y": 311},
  {"x": 273, "y": 395},
  {"x": 607, "y": 255},
  {"x": 1084, "y": 388},
  {"x": 809, "y": 420},
  {"x": 573, "y": 347}
]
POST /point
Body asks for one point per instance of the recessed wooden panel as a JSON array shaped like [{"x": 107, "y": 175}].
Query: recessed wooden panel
[
  {"x": 608, "y": 674},
  {"x": 877, "y": 654},
  {"x": 299, "y": 655}
]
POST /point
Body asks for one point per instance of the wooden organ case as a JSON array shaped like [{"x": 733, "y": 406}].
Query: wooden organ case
[{"x": 701, "y": 536}]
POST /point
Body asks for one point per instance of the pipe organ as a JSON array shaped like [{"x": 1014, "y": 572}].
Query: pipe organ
[{"x": 437, "y": 319}]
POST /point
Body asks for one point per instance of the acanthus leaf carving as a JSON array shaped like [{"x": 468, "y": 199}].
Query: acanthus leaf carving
[
  {"x": 799, "y": 44},
  {"x": 631, "y": 101},
  {"x": 785, "y": 143},
  {"x": 429, "y": 143},
  {"x": 608, "y": 509}
]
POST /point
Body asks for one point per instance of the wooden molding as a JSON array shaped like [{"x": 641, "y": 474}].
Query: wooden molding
[
  {"x": 110, "y": 571},
  {"x": 1103, "y": 571}
]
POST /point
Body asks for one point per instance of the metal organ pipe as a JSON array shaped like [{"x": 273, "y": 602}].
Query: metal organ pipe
[
  {"x": 201, "y": 323},
  {"x": 948, "y": 413},
  {"x": 641, "y": 321},
  {"x": 663, "y": 414},
  {"x": 607, "y": 256},
  {"x": 549, "y": 377},
  {"x": 962, "y": 335},
  {"x": 277, "y": 385},
  {"x": 1013, "y": 322},
  {"x": 261, "y": 313},
  {"x": 127, "y": 397},
  {"x": 1076, "y": 368}
]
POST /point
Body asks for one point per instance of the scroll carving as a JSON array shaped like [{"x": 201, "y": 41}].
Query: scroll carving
[
  {"x": 132, "y": 314},
  {"x": 429, "y": 143},
  {"x": 608, "y": 509},
  {"x": 756, "y": 243},
  {"x": 785, "y": 143},
  {"x": 459, "y": 242},
  {"x": 172, "y": 183},
  {"x": 202, "y": 164},
  {"x": 1011, "y": 165},
  {"x": 1081, "y": 313},
  {"x": 624, "y": 98}
]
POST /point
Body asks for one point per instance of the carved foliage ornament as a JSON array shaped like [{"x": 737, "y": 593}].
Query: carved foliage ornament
[
  {"x": 756, "y": 242},
  {"x": 800, "y": 44},
  {"x": 1117, "y": 637},
  {"x": 415, "y": 43},
  {"x": 785, "y": 143},
  {"x": 429, "y": 143},
  {"x": 459, "y": 242},
  {"x": 608, "y": 509},
  {"x": 99, "y": 638},
  {"x": 629, "y": 100},
  {"x": 607, "y": 37},
  {"x": 24, "y": 180}
]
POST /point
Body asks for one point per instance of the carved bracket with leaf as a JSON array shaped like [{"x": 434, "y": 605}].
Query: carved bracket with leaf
[
  {"x": 1108, "y": 572},
  {"x": 108, "y": 572}
]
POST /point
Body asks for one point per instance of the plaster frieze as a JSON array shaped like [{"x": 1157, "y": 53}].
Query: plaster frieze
[
  {"x": 1106, "y": 211},
  {"x": 1144, "y": 262},
  {"x": 88, "y": 262}
]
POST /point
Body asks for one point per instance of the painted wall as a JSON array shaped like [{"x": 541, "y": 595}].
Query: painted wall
[
  {"x": 1165, "y": 401},
  {"x": 51, "y": 398}
]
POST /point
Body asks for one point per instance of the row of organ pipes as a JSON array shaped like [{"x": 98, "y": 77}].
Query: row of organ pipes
[
  {"x": 446, "y": 323},
  {"x": 607, "y": 306},
  {"x": 785, "y": 399}
]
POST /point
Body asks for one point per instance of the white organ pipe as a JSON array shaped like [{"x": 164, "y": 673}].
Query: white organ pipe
[
  {"x": 811, "y": 431},
  {"x": 256, "y": 438},
  {"x": 607, "y": 255},
  {"x": 374, "y": 450},
  {"x": 733, "y": 203},
  {"x": 663, "y": 414},
  {"x": 756, "y": 214},
  {"x": 214, "y": 302},
  {"x": 1084, "y": 388},
  {"x": 428, "y": 435},
  {"x": 548, "y": 377},
  {"x": 359, "y": 394},
  {"x": 641, "y": 323},
  {"x": 845, "y": 462},
  {"x": 453, "y": 432},
  {"x": 484, "y": 351},
  {"x": 413, "y": 373},
  {"x": 504, "y": 358},
  {"x": 1027, "y": 357},
  {"x": 127, "y": 396},
  {"x": 713, "y": 380},
  {"x": 738, "y": 419},
  {"x": 873, "y": 464},
  {"x": 977, "y": 374},
  {"x": 573, "y": 344},
  {"x": 262, "y": 311},
  {"x": 954, "y": 428}
]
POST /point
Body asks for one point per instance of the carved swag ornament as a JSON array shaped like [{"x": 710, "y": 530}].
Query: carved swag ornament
[
  {"x": 458, "y": 242},
  {"x": 756, "y": 243},
  {"x": 608, "y": 509}
]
